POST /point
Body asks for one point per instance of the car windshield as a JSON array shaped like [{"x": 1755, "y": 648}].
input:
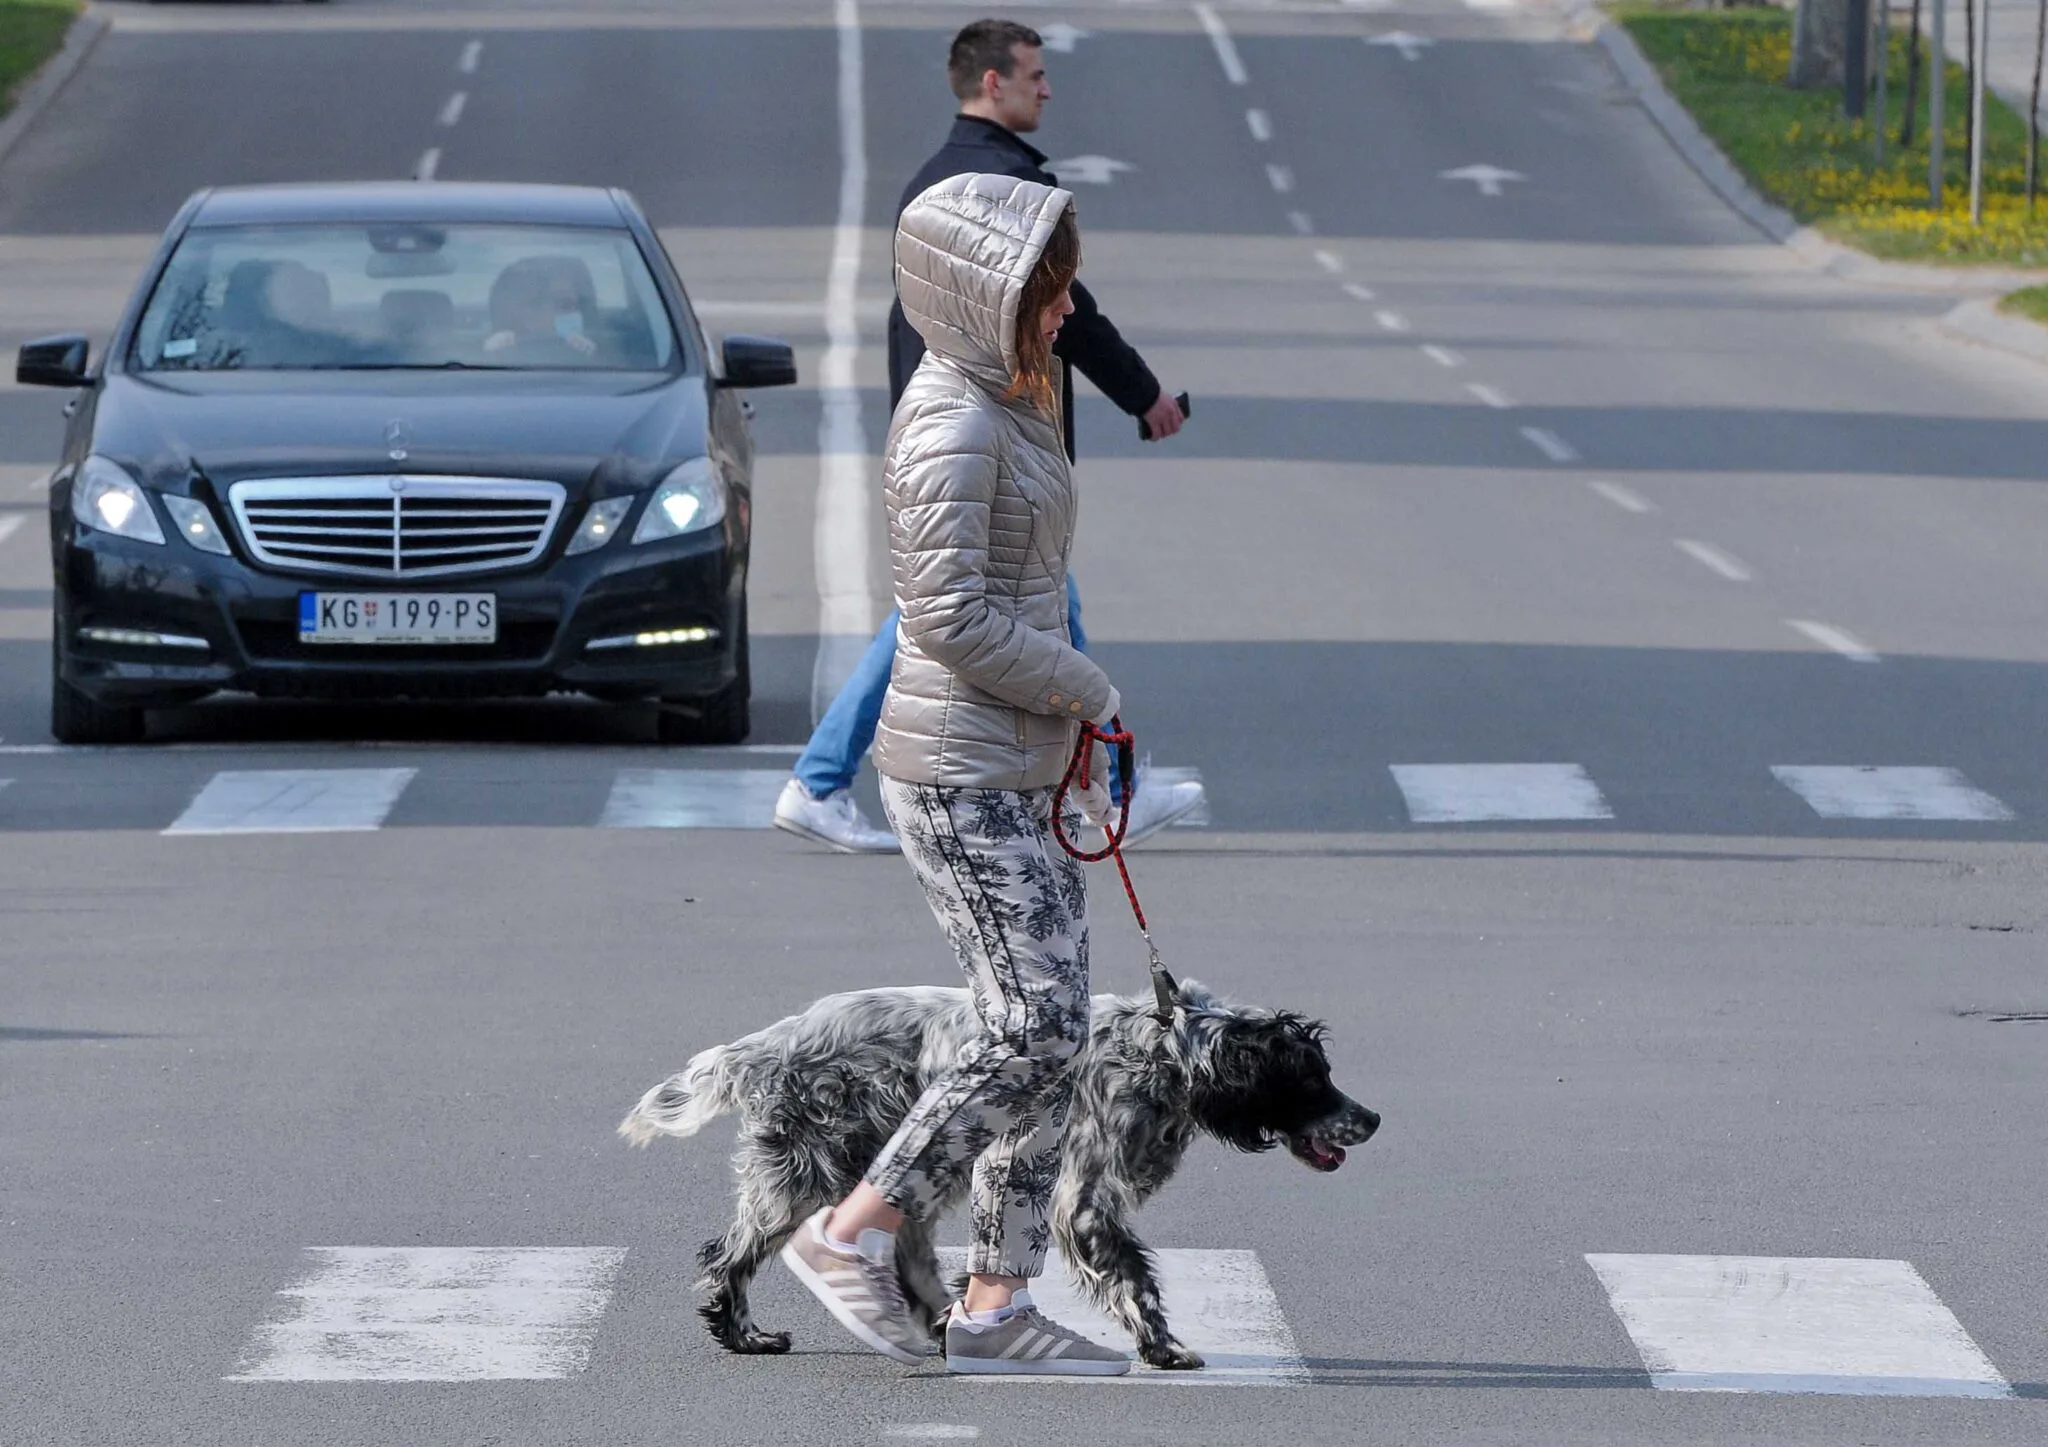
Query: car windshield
[{"x": 288, "y": 298}]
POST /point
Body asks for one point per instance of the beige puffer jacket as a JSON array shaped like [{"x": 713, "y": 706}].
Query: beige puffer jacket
[{"x": 987, "y": 691}]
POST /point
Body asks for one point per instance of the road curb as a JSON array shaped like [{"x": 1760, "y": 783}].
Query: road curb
[
  {"x": 44, "y": 86},
  {"x": 1591, "y": 23},
  {"x": 1979, "y": 320}
]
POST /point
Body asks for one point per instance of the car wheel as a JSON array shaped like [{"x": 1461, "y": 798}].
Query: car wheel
[
  {"x": 76, "y": 718},
  {"x": 726, "y": 717}
]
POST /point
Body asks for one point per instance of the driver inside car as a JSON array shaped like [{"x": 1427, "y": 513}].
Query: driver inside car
[{"x": 541, "y": 309}]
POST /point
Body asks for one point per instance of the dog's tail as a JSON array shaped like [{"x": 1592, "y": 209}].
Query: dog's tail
[{"x": 684, "y": 1103}]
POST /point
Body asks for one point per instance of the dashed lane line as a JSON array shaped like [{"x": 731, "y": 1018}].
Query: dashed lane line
[
  {"x": 429, "y": 164},
  {"x": 1550, "y": 444},
  {"x": 1330, "y": 261},
  {"x": 1226, "y": 48},
  {"x": 1842, "y": 642},
  {"x": 1260, "y": 123},
  {"x": 1302, "y": 223},
  {"x": 1392, "y": 321},
  {"x": 1443, "y": 356},
  {"x": 452, "y": 112},
  {"x": 1280, "y": 177},
  {"x": 1714, "y": 560},
  {"x": 1491, "y": 396},
  {"x": 471, "y": 54},
  {"x": 1624, "y": 498},
  {"x": 1358, "y": 291}
]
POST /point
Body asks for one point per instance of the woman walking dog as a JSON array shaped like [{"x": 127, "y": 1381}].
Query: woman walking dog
[{"x": 984, "y": 701}]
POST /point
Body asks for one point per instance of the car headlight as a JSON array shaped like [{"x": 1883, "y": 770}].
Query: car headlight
[
  {"x": 690, "y": 499},
  {"x": 194, "y": 522},
  {"x": 105, "y": 497},
  {"x": 599, "y": 524}
]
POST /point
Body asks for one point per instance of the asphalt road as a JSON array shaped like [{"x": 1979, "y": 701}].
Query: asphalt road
[{"x": 1583, "y": 477}]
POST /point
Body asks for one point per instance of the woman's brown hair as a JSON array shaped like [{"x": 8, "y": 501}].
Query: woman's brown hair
[{"x": 1057, "y": 267}]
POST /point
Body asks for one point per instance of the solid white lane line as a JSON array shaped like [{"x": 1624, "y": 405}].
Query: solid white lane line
[
  {"x": 1443, "y": 356},
  {"x": 435, "y": 1314},
  {"x": 1865, "y": 791},
  {"x": 1221, "y": 1305},
  {"x": 839, "y": 541},
  {"x": 1261, "y": 125},
  {"x": 1301, "y": 223},
  {"x": 1226, "y": 48},
  {"x": 9, "y": 526},
  {"x": 1330, "y": 261},
  {"x": 452, "y": 112},
  {"x": 1793, "y": 1324},
  {"x": 1829, "y": 636},
  {"x": 1550, "y": 444},
  {"x": 1281, "y": 177},
  {"x": 692, "y": 798},
  {"x": 933, "y": 1431},
  {"x": 471, "y": 54},
  {"x": 292, "y": 801},
  {"x": 1357, "y": 291},
  {"x": 1621, "y": 497},
  {"x": 1491, "y": 396},
  {"x": 429, "y": 163},
  {"x": 1711, "y": 557},
  {"x": 1392, "y": 321},
  {"x": 1490, "y": 793}
]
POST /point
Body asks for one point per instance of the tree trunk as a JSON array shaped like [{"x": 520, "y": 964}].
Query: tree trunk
[
  {"x": 1912, "y": 78},
  {"x": 1820, "y": 37},
  {"x": 2034, "y": 107}
]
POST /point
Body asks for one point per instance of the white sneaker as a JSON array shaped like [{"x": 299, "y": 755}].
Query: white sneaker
[
  {"x": 834, "y": 821},
  {"x": 1158, "y": 805}
]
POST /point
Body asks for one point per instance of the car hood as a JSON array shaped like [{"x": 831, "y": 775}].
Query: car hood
[{"x": 615, "y": 430}]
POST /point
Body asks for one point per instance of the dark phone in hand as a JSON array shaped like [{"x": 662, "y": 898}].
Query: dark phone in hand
[{"x": 1145, "y": 428}]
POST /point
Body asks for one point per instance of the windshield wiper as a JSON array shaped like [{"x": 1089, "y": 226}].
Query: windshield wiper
[{"x": 450, "y": 366}]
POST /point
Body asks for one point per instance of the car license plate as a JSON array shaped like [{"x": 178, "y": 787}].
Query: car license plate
[{"x": 398, "y": 618}]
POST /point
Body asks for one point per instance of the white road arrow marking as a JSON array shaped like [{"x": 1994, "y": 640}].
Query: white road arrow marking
[
  {"x": 1410, "y": 46},
  {"x": 1489, "y": 178},
  {"x": 1088, "y": 170},
  {"x": 1061, "y": 37}
]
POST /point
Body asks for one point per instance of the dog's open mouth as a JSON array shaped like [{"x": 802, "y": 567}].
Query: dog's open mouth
[{"x": 1315, "y": 1152}]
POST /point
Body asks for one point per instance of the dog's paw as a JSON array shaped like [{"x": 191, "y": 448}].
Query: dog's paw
[
  {"x": 763, "y": 1343},
  {"x": 1170, "y": 1356}
]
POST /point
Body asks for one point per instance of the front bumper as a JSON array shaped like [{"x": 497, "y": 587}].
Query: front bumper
[{"x": 248, "y": 621}]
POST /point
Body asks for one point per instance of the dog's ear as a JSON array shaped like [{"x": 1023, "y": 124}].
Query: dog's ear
[{"x": 1259, "y": 1076}]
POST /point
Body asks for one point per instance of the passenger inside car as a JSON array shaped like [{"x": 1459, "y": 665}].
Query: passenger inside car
[{"x": 543, "y": 310}]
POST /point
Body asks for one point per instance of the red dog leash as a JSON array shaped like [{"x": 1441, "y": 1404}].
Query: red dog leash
[{"x": 1125, "y": 743}]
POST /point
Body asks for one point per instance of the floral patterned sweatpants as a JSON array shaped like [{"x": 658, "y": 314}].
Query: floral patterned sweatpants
[{"x": 1014, "y": 907}]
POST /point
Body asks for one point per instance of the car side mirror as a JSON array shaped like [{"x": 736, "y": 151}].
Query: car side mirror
[
  {"x": 53, "y": 362},
  {"x": 758, "y": 362}
]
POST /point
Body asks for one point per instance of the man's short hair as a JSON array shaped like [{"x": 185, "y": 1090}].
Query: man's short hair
[{"x": 986, "y": 46}]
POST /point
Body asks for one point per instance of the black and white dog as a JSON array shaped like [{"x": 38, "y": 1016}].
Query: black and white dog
[{"x": 818, "y": 1094}]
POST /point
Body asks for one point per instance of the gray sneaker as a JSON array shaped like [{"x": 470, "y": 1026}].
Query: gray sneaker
[
  {"x": 1026, "y": 1343},
  {"x": 858, "y": 1287}
]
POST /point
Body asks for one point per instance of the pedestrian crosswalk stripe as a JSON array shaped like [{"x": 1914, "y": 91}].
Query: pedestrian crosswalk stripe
[
  {"x": 693, "y": 799},
  {"x": 1793, "y": 1324},
  {"x": 435, "y": 1314},
  {"x": 1219, "y": 1304},
  {"x": 1868, "y": 792},
  {"x": 292, "y": 801},
  {"x": 1485, "y": 793}
]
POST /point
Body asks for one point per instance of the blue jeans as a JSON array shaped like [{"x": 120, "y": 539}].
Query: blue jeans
[{"x": 841, "y": 739}]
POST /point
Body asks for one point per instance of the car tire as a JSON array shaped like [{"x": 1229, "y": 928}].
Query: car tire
[
  {"x": 726, "y": 717},
  {"x": 77, "y": 718}
]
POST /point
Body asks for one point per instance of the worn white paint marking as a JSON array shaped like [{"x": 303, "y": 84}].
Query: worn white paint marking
[
  {"x": 1062, "y": 37},
  {"x": 1410, "y": 46},
  {"x": 1219, "y": 1302},
  {"x": 452, "y": 112},
  {"x": 1090, "y": 170},
  {"x": 1829, "y": 636},
  {"x": 1302, "y": 223},
  {"x": 9, "y": 526},
  {"x": 1358, "y": 291},
  {"x": 1281, "y": 178},
  {"x": 1550, "y": 444},
  {"x": 1712, "y": 558},
  {"x": 693, "y": 798},
  {"x": 933, "y": 1431},
  {"x": 1867, "y": 791},
  {"x": 471, "y": 54},
  {"x": 1443, "y": 356},
  {"x": 1483, "y": 793},
  {"x": 429, "y": 164},
  {"x": 1491, "y": 396},
  {"x": 1261, "y": 125},
  {"x": 1622, "y": 497},
  {"x": 1226, "y": 48},
  {"x": 839, "y": 537},
  {"x": 1793, "y": 1324},
  {"x": 1488, "y": 178},
  {"x": 293, "y": 801},
  {"x": 435, "y": 1314},
  {"x": 1330, "y": 261},
  {"x": 1392, "y": 321}
]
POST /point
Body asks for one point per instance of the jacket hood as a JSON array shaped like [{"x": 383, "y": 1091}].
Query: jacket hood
[{"x": 964, "y": 249}]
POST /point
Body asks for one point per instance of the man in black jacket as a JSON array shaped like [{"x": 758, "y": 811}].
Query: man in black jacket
[{"x": 997, "y": 69}]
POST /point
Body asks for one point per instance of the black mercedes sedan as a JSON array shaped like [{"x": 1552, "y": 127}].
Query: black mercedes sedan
[{"x": 398, "y": 441}]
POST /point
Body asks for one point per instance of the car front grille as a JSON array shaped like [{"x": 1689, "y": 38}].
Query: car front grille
[{"x": 396, "y": 527}]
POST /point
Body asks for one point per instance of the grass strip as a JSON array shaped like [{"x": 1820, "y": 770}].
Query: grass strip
[
  {"x": 2032, "y": 303},
  {"x": 1728, "y": 68},
  {"x": 30, "y": 33}
]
